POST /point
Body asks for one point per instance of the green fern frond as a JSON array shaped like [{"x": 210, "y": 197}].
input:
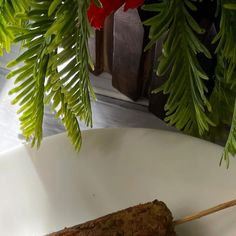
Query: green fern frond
[
  {"x": 56, "y": 99},
  {"x": 226, "y": 37},
  {"x": 30, "y": 78},
  {"x": 69, "y": 73},
  {"x": 226, "y": 72},
  {"x": 223, "y": 96},
  {"x": 8, "y": 11},
  {"x": 230, "y": 146},
  {"x": 222, "y": 100},
  {"x": 56, "y": 68},
  {"x": 187, "y": 107}
]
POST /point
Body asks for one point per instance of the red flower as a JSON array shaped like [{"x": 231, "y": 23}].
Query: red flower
[{"x": 98, "y": 15}]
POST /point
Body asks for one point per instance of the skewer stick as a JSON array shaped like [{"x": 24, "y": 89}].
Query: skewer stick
[{"x": 205, "y": 212}]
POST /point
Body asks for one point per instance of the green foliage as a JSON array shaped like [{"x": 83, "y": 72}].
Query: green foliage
[
  {"x": 56, "y": 67},
  {"x": 226, "y": 74},
  {"x": 188, "y": 107},
  {"x": 10, "y": 21}
]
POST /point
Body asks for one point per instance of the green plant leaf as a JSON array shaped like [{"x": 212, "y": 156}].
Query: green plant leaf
[
  {"x": 56, "y": 67},
  {"x": 187, "y": 106},
  {"x": 230, "y": 6},
  {"x": 224, "y": 94},
  {"x": 98, "y": 3}
]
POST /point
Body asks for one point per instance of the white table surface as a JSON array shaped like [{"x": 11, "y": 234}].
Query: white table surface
[{"x": 43, "y": 191}]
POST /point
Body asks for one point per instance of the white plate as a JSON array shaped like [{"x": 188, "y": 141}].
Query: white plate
[{"x": 46, "y": 190}]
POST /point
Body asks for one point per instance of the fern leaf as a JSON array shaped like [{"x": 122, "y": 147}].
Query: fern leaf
[
  {"x": 226, "y": 74},
  {"x": 56, "y": 98},
  {"x": 9, "y": 23},
  {"x": 187, "y": 107},
  {"x": 230, "y": 146},
  {"x": 56, "y": 67}
]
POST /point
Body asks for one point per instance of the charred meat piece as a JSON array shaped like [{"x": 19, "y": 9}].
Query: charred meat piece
[{"x": 149, "y": 219}]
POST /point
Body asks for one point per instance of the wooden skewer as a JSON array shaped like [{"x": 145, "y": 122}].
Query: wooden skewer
[{"x": 205, "y": 212}]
